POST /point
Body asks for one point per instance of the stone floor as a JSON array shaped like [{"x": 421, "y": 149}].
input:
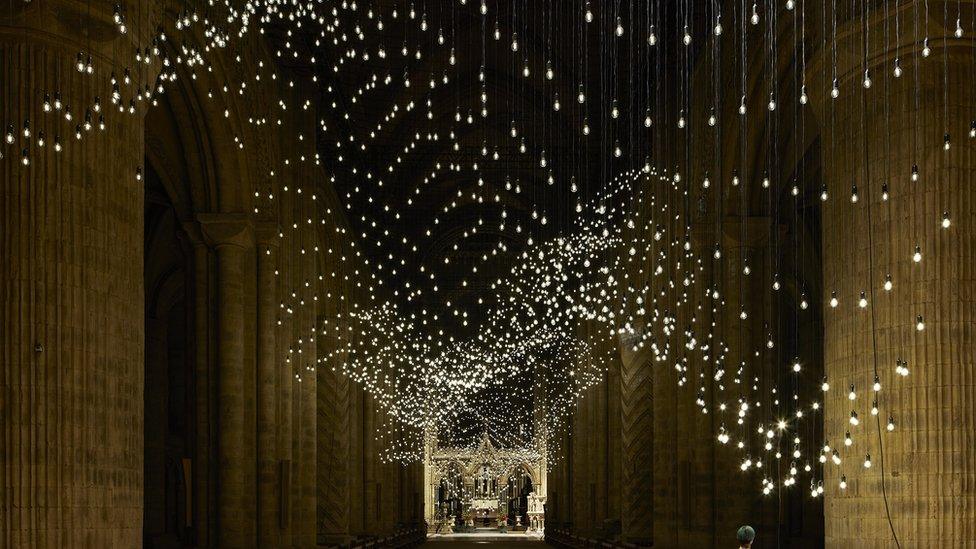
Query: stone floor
[{"x": 483, "y": 539}]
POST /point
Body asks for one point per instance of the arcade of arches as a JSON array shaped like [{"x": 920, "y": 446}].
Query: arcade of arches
[{"x": 383, "y": 273}]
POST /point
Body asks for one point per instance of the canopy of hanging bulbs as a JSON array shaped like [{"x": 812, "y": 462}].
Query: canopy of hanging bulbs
[{"x": 570, "y": 246}]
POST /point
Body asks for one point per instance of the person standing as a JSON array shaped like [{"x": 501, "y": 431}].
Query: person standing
[{"x": 745, "y": 535}]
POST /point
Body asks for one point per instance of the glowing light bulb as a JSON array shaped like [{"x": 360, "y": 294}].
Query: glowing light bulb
[
  {"x": 835, "y": 89},
  {"x": 891, "y": 424},
  {"x": 917, "y": 256},
  {"x": 833, "y": 299},
  {"x": 652, "y": 37},
  {"x": 825, "y": 386},
  {"x": 862, "y": 302},
  {"x": 847, "y": 439},
  {"x": 854, "y": 420},
  {"x": 919, "y": 323},
  {"x": 867, "y": 461},
  {"x": 620, "y": 28},
  {"x": 945, "y": 220},
  {"x": 888, "y": 285},
  {"x": 852, "y": 394},
  {"x": 897, "y": 70},
  {"x": 843, "y": 483}
]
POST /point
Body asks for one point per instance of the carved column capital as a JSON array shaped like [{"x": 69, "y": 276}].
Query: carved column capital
[
  {"x": 226, "y": 229},
  {"x": 267, "y": 234}
]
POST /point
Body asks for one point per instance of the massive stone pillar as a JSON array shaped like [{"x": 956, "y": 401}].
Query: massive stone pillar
[
  {"x": 71, "y": 285},
  {"x": 923, "y": 473},
  {"x": 231, "y": 235},
  {"x": 268, "y": 508}
]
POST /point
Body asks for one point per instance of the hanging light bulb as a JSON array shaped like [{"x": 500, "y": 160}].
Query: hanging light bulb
[
  {"x": 823, "y": 193},
  {"x": 877, "y": 384},
  {"x": 803, "y": 95},
  {"x": 946, "y": 143},
  {"x": 887, "y": 283},
  {"x": 897, "y": 70},
  {"x": 772, "y": 102},
  {"x": 917, "y": 256},
  {"x": 835, "y": 89},
  {"x": 833, "y": 300},
  {"x": 515, "y": 43},
  {"x": 867, "y": 461},
  {"x": 972, "y": 129},
  {"x": 589, "y": 13},
  {"x": 549, "y": 72},
  {"x": 686, "y": 39},
  {"x": 852, "y": 394},
  {"x": 914, "y": 172},
  {"x": 754, "y": 19},
  {"x": 867, "y": 78},
  {"x": 555, "y": 103},
  {"x": 619, "y": 31},
  {"x": 848, "y": 441},
  {"x": 617, "y": 152},
  {"x": 586, "y": 126},
  {"x": 652, "y": 37},
  {"x": 891, "y": 424},
  {"x": 825, "y": 387},
  {"x": 854, "y": 194},
  {"x": 614, "y": 111},
  {"x": 863, "y": 301},
  {"x": 843, "y": 482},
  {"x": 884, "y": 192},
  {"x": 854, "y": 420},
  {"x": 647, "y": 119},
  {"x": 925, "y": 47},
  {"x": 945, "y": 220},
  {"x": 581, "y": 95},
  {"x": 874, "y": 408},
  {"x": 919, "y": 323},
  {"x": 718, "y": 25}
]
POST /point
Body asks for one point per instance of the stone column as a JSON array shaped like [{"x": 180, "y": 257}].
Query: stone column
[
  {"x": 637, "y": 442},
  {"x": 926, "y": 476},
  {"x": 203, "y": 487},
  {"x": 231, "y": 235},
  {"x": 268, "y": 508},
  {"x": 71, "y": 287}
]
